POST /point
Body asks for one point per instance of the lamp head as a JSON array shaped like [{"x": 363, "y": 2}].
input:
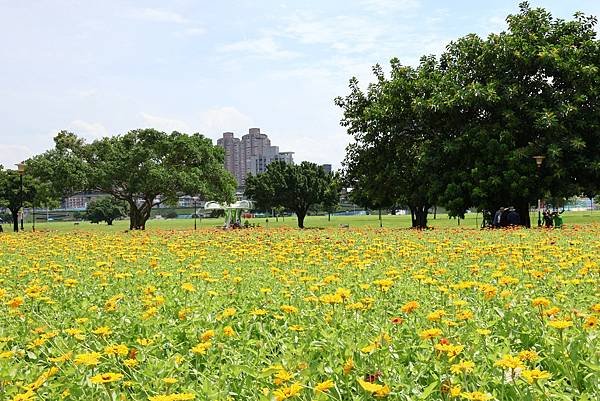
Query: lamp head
[
  {"x": 539, "y": 160},
  {"x": 21, "y": 168}
]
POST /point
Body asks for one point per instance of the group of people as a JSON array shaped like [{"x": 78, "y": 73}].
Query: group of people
[
  {"x": 552, "y": 219},
  {"x": 506, "y": 217}
]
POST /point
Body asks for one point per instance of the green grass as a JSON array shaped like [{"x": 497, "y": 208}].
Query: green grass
[{"x": 471, "y": 221}]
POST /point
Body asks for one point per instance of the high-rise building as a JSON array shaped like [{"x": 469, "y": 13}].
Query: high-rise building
[
  {"x": 327, "y": 168},
  {"x": 250, "y": 155},
  {"x": 232, "y": 147}
]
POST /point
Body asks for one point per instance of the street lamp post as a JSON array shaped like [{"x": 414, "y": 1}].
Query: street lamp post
[
  {"x": 21, "y": 172},
  {"x": 538, "y": 162},
  {"x": 195, "y": 212}
]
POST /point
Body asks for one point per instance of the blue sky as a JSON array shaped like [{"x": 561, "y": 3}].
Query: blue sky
[{"x": 103, "y": 68}]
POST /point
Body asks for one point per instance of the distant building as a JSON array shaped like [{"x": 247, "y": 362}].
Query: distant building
[
  {"x": 327, "y": 168},
  {"x": 251, "y": 154},
  {"x": 81, "y": 200}
]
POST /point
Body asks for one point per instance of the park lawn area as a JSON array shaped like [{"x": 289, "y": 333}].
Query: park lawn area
[
  {"x": 399, "y": 221},
  {"x": 331, "y": 314}
]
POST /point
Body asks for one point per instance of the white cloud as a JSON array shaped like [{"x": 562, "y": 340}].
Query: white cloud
[
  {"x": 195, "y": 31},
  {"x": 261, "y": 47},
  {"x": 346, "y": 34},
  {"x": 215, "y": 121},
  {"x": 159, "y": 15},
  {"x": 385, "y": 6},
  {"x": 164, "y": 124},
  {"x": 88, "y": 130},
  {"x": 13, "y": 154}
]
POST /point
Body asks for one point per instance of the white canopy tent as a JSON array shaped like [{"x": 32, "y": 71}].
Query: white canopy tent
[{"x": 233, "y": 212}]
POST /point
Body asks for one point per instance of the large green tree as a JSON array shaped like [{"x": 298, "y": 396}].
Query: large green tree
[
  {"x": 387, "y": 164},
  {"x": 11, "y": 196},
  {"x": 532, "y": 90},
  {"x": 294, "y": 186},
  {"x": 143, "y": 167},
  {"x": 462, "y": 130}
]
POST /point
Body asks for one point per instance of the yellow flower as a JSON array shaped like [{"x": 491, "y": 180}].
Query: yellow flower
[
  {"x": 106, "y": 378},
  {"x": 528, "y": 355},
  {"x": 409, "y": 306},
  {"x": 282, "y": 376},
  {"x": 170, "y": 380},
  {"x": 544, "y": 302},
  {"x": 590, "y": 322},
  {"x": 173, "y": 397},
  {"x": 287, "y": 392},
  {"x": 188, "y": 287},
  {"x": 378, "y": 390},
  {"x": 258, "y": 312},
  {"x": 369, "y": 348},
  {"x": 462, "y": 366},
  {"x": 348, "y": 366},
  {"x": 430, "y": 334},
  {"x": 560, "y": 324},
  {"x": 455, "y": 391},
  {"x": 207, "y": 335},
  {"x": 116, "y": 349},
  {"x": 103, "y": 331},
  {"x": 130, "y": 363},
  {"x": 483, "y": 332},
  {"x": 62, "y": 358},
  {"x": 27, "y": 396},
  {"x": 88, "y": 359},
  {"x": 476, "y": 396},
  {"x": 324, "y": 386},
  {"x": 289, "y": 309},
  {"x": 436, "y": 315},
  {"x": 228, "y": 331},
  {"x": 228, "y": 313},
  {"x": 535, "y": 374},
  {"x": 15, "y": 302},
  {"x": 6, "y": 354},
  {"x": 42, "y": 379},
  {"x": 509, "y": 362},
  {"x": 201, "y": 348},
  {"x": 144, "y": 341}
]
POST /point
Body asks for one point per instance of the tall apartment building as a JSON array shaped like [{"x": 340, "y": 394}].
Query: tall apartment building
[{"x": 251, "y": 154}]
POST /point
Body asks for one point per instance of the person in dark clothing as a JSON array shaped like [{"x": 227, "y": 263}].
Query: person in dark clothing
[
  {"x": 548, "y": 218},
  {"x": 513, "y": 218},
  {"x": 504, "y": 218},
  {"x": 496, "y": 221}
]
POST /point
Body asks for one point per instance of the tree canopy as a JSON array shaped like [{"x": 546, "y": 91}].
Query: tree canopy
[
  {"x": 294, "y": 186},
  {"x": 461, "y": 130},
  {"x": 143, "y": 167},
  {"x": 10, "y": 193},
  {"x": 105, "y": 209}
]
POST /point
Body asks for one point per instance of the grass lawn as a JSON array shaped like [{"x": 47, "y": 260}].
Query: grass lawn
[{"x": 471, "y": 221}]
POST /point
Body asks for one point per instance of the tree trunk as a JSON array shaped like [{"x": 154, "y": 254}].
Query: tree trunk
[
  {"x": 15, "y": 218},
  {"x": 380, "y": 221},
  {"x": 109, "y": 222},
  {"x": 301, "y": 214},
  {"x": 328, "y": 216},
  {"x": 419, "y": 216},
  {"x": 434, "y": 212}
]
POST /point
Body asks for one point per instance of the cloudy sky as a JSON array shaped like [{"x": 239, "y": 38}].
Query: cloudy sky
[{"x": 102, "y": 68}]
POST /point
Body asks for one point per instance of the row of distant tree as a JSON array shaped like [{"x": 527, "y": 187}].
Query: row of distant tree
[
  {"x": 145, "y": 168},
  {"x": 460, "y": 130}
]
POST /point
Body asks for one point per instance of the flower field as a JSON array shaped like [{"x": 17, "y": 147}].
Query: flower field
[{"x": 303, "y": 315}]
